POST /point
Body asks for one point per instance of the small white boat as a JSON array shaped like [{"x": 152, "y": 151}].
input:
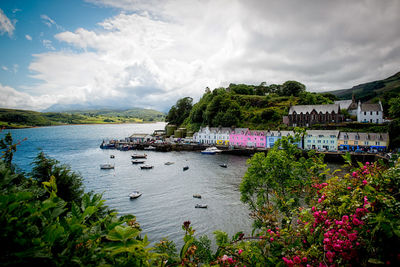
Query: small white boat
[
  {"x": 139, "y": 156},
  {"x": 137, "y": 161},
  {"x": 150, "y": 148},
  {"x": 200, "y": 206},
  {"x": 197, "y": 196},
  {"x": 135, "y": 194},
  {"x": 106, "y": 166},
  {"x": 146, "y": 167},
  {"x": 169, "y": 163},
  {"x": 223, "y": 165},
  {"x": 211, "y": 150}
]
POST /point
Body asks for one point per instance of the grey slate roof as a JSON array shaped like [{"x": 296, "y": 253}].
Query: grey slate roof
[
  {"x": 364, "y": 136},
  {"x": 371, "y": 107},
  {"x": 318, "y": 108},
  {"x": 344, "y": 104},
  {"x": 323, "y": 132}
]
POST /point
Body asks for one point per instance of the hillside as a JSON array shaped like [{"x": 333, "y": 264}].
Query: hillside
[
  {"x": 13, "y": 118},
  {"x": 372, "y": 90}
]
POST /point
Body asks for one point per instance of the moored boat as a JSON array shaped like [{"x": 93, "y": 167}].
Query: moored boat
[
  {"x": 169, "y": 163},
  {"x": 137, "y": 161},
  {"x": 211, "y": 150},
  {"x": 146, "y": 167},
  {"x": 223, "y": 165},
  {"x": 186, "y": 168},
  {"x": 197, "y": 196},
  {"x": 112, "y": 156},
  {"x": 135, "y": 194},
  {"x": 200, "y": 206},
  {"x": 139, "y": 156},
  {"x": 106, "y": 166},
  {"x": 150, "y": 148}
]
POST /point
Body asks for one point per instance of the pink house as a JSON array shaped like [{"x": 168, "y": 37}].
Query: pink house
[{"x": 243, "y": 137}]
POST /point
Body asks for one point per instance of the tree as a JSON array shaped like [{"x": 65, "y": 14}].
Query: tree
[
  {"x": 69, "y": 183},
  {"x": 394, "y": 108},
  {"x": 180, "y": 111},
  {"x": 292, "y": 88}
]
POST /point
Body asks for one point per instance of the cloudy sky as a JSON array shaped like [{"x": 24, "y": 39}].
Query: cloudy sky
[{"x": 149, "y": 53}]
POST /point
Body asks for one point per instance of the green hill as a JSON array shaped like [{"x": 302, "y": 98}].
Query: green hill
[
  {"x": 13, "y": 118},
  {"x": 371, "y": 90}
]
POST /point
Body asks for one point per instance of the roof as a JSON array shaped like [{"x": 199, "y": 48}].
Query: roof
[
  {"x": 364, "y": 136},
  {"x": 279, "y": 133},
  {"x": 346, "y": 104},
  {"x": 240, "y": 130},
  {"x": 371, "y": 107},
  {"x": 318, "y": 108},
  {"x": 323, "y": 132},
  {"x": 139, "y": 135}
]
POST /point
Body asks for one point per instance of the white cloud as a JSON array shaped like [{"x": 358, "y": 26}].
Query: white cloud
[
  {"x": 6, "y": 26},
  {"x": 4, "y": 68},
  {"x": 50, "y": 22},
  {"x": 48, "y": 44},
  {"x": 11, "y": 98},
  {"x": 28, "y": 37},
  {"x": 155, "y": 52}
]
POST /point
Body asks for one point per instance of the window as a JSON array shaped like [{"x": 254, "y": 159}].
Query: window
[
  {"x": 308, "y": 141},
  {"x": 332, "y": 142},
  {"x": 371, "y": 113},
  {"x": 365, "y": 113},
  {"x": 319, "y": 141},
  {"x": 357, "y": 137},
  {"x": 333, "y": 136},
  {"x": 366, "y": 142},
  {"x": 378, "y": 143},
  {"x": 345, "y": 142},
  {"x": 320, "y": 136},
  {"x": 377, "y": 113},
  {"x": 356, "y": 142},
  {"x": 377, "y": 120}
]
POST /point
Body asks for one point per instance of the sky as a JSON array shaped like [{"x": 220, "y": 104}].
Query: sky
[{"x": 150, "y": 53}]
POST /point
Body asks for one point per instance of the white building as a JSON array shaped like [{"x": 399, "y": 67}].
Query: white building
[
  {"x": 321, "y": 140},
  {"x": 212, "y": 136},
  {"x": 370, "y": 113}
]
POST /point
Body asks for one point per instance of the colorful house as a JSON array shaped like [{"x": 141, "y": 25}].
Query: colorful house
[
  {"x": 351, "y": 141},
  {"x": 256, "y": 139},
  {"x": 371, "y": 113},
  {"x": 321, "y": 140},
  {"x": 238, "y": 137},
  {"x": 273, "y": 136},
  {"x": 212, "y": 136}
]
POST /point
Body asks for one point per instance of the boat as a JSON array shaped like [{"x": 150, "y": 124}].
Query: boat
[
  {"x": 135, "y": 194},
  {"x": 146, "y": 167},
  {"x": 169, "y": 163},
  {"x": 139, "y": 156},
  {"x": 137, "y": 161},
  {"x": 105, "y": 145},
  {"x": 211, "y": 150},
  {"x": 197, "y": 196},
  {"x": 106, "y": 166},
  {"x": 112, "y": 156},
  {"x": 186, "y": 168},
  {"x": 200, "y": 206},
  {"x": 223, "y": 165},
  {"x": 150, "y": 148}
]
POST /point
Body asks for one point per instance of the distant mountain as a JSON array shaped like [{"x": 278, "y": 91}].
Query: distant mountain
[
  {"x": 372, "y": 90},
  {"x": 82, "y": 107},
  {"x": 140, "y": 113}
]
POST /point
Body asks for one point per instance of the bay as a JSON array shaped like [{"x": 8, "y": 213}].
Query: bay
[{"x": 167, "y": 190}]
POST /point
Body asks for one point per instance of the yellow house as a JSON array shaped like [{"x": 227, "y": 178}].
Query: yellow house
[{"x": 363, "y": 141}]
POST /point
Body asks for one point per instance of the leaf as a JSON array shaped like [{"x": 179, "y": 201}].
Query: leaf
[
  {"x": 122, "y": 233},
  {"x": 375, "y": 261}
]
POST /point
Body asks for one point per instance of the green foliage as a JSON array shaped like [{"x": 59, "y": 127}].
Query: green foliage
[
  {"x": 394, "y": 109},
  {"x": 180, "y": 111},
  {"x": 292, "y": 88},
  {"x": 307, "y": 98}
]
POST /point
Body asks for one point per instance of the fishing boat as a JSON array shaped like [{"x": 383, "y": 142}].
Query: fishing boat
[
  {"x": 139, "y": 156},
  {"x": 106, "y": 166},
  {"x": 137, "y": 161},
  {"x": 135, "y": 194},
  {"x": 223, "y": 165},
  {"x": 146, "y": 167},
  {"x": 211, "y": 150},
  {"x": 200, "y": 206},
  {"x": 112, "y": 156},
  {"x": 186, "y": 168},
  {"x": 168, "y": 163},
  {"x": 197, "y": 196},
  {"x": 150, "y": 148}
]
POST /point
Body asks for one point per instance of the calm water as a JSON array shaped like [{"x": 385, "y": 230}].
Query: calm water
[{"x": 167, "y": 190}]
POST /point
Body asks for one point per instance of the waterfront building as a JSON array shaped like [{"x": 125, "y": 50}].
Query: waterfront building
[
  {"x": 255, "y": 139},
  {"x": 370, "y": 113},
  {"x": 139, "y": 138},
  {"x": 273, "y": 136},
  {"x": 308, "y": 115},
  {"x": 321, "y": 140},
  {"x": 238, "y": 138},
  {"x": 212, "y": 135},
  {"x": 372, "y": 142}
]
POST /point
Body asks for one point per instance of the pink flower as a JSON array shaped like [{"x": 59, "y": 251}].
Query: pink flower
[
  {"x": 345, "y": 218},
  {"x": 313, "y": 208},
  {"x": 365, "y": 182},
  {"x": 352, "y": 236},
  {"x": 354, "y": 174},
  {"x": 240, "y": 251},
  {"x": 349, "y": 187},
  {"x": 330, "y": 255},
  {"x": 367, "y": 163},
  {"x": 224, "y": 258},
  {"x": 304, "y": 259},
  {"x": 271, "y": 239},
  {"x": 296, "y": 259}
]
